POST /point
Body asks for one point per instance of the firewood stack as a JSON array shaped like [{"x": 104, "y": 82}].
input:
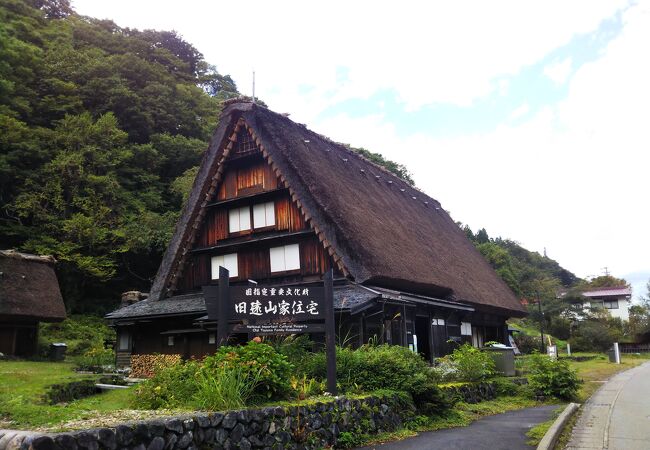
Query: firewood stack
[{"x": 145, "y": 366}]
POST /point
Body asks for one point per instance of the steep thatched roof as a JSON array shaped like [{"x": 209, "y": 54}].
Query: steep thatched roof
[
  {"x": 379, "y": 229},
  {"x": 29, "y": 288}
]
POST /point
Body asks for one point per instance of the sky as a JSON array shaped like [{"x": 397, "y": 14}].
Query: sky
[{"x": 527, "y": 118}]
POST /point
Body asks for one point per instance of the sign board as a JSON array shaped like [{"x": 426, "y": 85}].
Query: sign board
[
  {"x": 297, "y": 304},
  {"x": 551, "y": 351},
  {"x": 269, "y": 310},
  {"x": 266, "y": 329}
]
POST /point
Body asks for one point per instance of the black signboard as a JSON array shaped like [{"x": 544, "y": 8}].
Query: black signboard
[
  {"x": 297, "y": 304},
  {"x": 269, "y": 310}
]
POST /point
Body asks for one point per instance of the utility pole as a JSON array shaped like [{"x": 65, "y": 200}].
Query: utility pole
[{"x": 541, "y": 322}]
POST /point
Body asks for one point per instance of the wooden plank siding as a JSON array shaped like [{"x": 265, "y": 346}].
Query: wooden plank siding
[
  {"x": 254, "y": 263},
  {"x": 246, "y": 180}
]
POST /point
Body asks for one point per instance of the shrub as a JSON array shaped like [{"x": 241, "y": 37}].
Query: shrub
[
  {"x": 297, "y": 349},
  {"x": 370, "y": 368},
  {"x": 96, "y": 359},
  {"x": 472, "y": 363},
  {"x": 225, "y": 388},
  {"x": 527, "y": 344},
  {"x": 505, "y": 387},
  {"x": 170, "y": 387},
  {"x": 81, "y": 333},
  {"x": 429, "y": 399},
  {"x": 592, "y": 335},
  {"x": 552, "y": 378},
  {"x": 446, "y": 370},
  {"x": 257, "y": 361},
  {"x": 67, "y": 392}
]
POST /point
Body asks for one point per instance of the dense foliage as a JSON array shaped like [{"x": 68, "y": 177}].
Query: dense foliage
[
  {"x": 170, "y": 387},
  {"x": 97, "y": 125},
  {"x": 84, "y": 335},
  {"x": 257, "y": 361},
  {"x": 552, "y": 378}
]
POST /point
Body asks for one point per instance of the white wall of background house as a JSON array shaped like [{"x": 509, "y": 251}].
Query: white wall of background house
[{"x": 616, "y": 301}]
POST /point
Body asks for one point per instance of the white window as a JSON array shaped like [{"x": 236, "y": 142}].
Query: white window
[
  {"x": 124, "y": 340},
  {"x": 264, "y": 215},
  {"x": 284, "y": 258},
  {"x": 438, "y": 322},
  {"x": 611, "y": 304},
  {"x": 228, "y": 261},
  {"x": 465, "y": 329},
  {"x": 170, "y": 341},
  {"x": 239, "y": 219},
  {"x": 212, "y": 338}
]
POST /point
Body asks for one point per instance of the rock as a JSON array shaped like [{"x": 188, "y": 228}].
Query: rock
[
  {"x": 139, "y": 447},
  {"x": 229, "y": 421},
  {"x": 209, "y": 436},
  {"x": 174, "y": 425},
  {"x": 87, "y": 440},
  {"x": 106, "y": 438},
  {"x": 43, "y": 442},
  {"x": 202, "y": 421},
  {"x": 243, "y": 416},
  {"x": 66, "y": 441},
  {"x": 185, "y": 440},
  {"x": 171, "y": 439},
  {"x": 268, "y": 440},
  {"x": 272, "y": 428},
  {"x": 124, "y": 435},
  {"x": 252, "y": 428},
  {"x": 245, "y": 444},
  {"x": 215, "y": 419},
  {"x": 188, "y": 424},
  {"x": 156, "y": 443},
  {"x": 237, "y": 433},
  {"x": 221, "y": 435},
  {"x": 256, "y": 441},
  {"x": 157, "y": 427},
  {"x": 141, "y": 432}
]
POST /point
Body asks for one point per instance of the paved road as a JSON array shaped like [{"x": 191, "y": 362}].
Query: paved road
[
  {"x": 500, "y": 432},
  {"x": 617, "y": 416}
]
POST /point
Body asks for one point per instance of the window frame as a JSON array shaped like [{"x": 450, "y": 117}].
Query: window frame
[
  {"x": 266, "y": 225},
  {"x": 285, "y": 270},
  {"x": 215, "y": 270},
  {"x": 240, "y": 230}
]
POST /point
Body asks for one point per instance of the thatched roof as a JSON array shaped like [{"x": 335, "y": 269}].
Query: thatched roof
[
  {"x": 378, "y": 229},
  {"x": 29, "y": 288}
]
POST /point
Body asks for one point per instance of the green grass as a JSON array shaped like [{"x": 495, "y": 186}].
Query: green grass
[
  {"x": 23, "y": 383},
  {"x": 536, "y": 434}
]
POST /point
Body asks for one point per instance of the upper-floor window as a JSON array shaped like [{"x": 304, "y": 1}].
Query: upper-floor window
[
  {"x": 611, "y": 304},
  {"x": 228, "y": 261},
  {"x": 264, "y": 215},
  {"x": 285, "y": 258},
  {"x": 239, "y": 219}
]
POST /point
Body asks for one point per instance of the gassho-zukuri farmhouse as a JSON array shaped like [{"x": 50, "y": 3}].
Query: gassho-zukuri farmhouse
[{"x": 278, "y": 204}]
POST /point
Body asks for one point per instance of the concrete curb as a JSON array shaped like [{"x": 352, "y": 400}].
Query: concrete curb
[{"x": 553, "y": 433}]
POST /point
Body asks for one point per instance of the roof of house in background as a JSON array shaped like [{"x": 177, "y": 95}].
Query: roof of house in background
[
  {"x": 616, "y": 291},
  {"x": 29, "y": 287},
  {"x": 384, "y": 232}
]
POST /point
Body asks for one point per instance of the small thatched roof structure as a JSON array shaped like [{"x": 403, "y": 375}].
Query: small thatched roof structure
[
  {"x": 379, "y": 230},
  {"x": 29, "y": 288}
]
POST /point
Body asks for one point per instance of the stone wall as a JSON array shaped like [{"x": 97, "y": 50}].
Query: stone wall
[{"x": 295, "y": 427}]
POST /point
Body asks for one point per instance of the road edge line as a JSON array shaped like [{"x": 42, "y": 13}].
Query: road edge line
[{"x": 553, "y": 433}]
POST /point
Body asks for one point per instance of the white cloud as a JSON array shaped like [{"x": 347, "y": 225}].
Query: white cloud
[
  {"x": 520, "y": 111},
  {"x": 559, "y": 71},
  {"x": 428, "y": 52},
  {"x": 573, "y": 178}
]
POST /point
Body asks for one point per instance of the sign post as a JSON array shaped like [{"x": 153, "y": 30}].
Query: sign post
[
  {"x": 330, "y": 341},
  {"x": 272, "y": 310}
]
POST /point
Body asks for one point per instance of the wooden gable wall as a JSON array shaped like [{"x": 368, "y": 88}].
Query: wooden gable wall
[{"x": 249, "y": 180}]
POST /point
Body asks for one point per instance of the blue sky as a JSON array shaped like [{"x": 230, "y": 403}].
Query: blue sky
[{"x": 526, "y": 118}]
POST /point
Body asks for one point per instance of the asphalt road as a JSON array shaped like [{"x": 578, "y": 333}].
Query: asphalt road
[
  {"x": 500, "y": 432},
  {"x": 617, "y": 416}
]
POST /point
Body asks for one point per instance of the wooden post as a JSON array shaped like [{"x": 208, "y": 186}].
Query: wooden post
[
  {"x": 330, "y": 344},
  {"x": 223, "y": 306}
]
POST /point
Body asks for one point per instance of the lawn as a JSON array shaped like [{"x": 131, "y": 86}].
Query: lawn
[{"x": 23, "y": 383}]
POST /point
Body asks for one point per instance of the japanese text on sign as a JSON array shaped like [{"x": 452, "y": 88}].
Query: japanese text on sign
[{"x": 286, "y": 303}]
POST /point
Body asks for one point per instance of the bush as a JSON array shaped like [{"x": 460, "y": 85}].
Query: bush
[
  {"x": 297, "y": 349},
  {"x": 225, "y": 388},
  {"x": 67, "y": 392},
  {"x": 170, "y": 387},
  {"x": 527, "y": 344},
  {"x": 446, "y": 370},
  {"x": 552, "y": 378},
  {"x": 370, "y": 368},
  {"x": 429, "y": 399},
  {"x": 472, "y": 363},
  {"x": 257, "y": 361},
  {"x": 81, "y": 333},
  {"x": 505, "y": 387},
  {"x": 96, "y": 359},
  {"x": 592, "y": 335}
]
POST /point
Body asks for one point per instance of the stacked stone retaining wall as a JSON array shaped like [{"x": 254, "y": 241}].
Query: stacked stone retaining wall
[{"x": 296, "y": 427}]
